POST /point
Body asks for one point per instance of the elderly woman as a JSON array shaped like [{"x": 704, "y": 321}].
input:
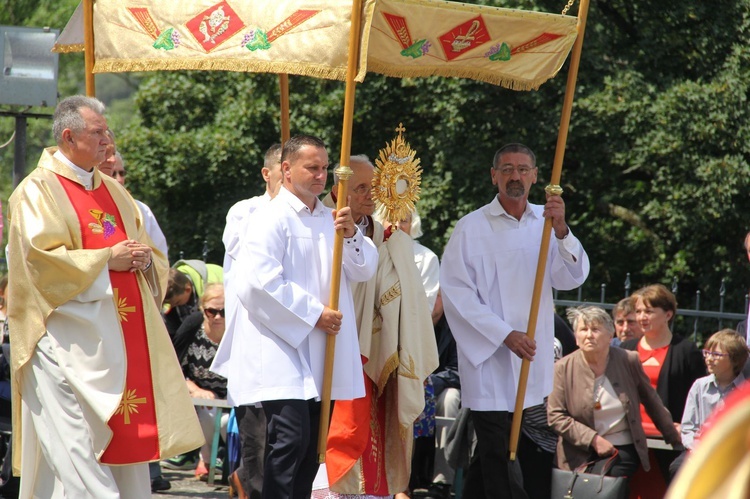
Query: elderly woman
[{"x": 595, "y": 400}]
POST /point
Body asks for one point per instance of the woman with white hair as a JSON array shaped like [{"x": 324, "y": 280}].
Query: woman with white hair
[{"x": 595, "y": 402}]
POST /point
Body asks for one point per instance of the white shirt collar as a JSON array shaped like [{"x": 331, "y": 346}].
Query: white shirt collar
[
  {"x": 496, "y": 209},
  {"x": 298, "y": 205},
  {"x": 363, "y": 224},
  {"x": 86, "y": 178}
]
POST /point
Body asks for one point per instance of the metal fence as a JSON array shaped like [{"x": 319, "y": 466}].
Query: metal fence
[{"x": 697, "y": 323}]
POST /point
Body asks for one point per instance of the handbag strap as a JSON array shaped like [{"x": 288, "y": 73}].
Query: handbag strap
[
  {"x": 582, "y": 469},
  {"x": 607, "y": 466}
]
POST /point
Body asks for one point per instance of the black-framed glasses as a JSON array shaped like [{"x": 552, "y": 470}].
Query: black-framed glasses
[
  {"x": 119, "y": 173},
  {"x": 711, "y": 353},
  {"x": 213, "y": 312}
]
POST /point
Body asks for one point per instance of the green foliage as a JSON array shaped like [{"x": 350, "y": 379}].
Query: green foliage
[{"x": 196, "y": 149}]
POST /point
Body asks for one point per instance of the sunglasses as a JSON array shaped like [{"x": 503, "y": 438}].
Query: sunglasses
[{"x": 213, "y": 312}]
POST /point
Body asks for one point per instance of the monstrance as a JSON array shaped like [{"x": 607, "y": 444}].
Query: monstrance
[{"x": 395, "y": 185}]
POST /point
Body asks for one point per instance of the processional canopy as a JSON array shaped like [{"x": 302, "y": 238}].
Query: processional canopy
[{"x": 402, "y": 38}]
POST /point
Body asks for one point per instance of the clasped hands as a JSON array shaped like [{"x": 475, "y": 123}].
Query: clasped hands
[{"x": 129, "y": 256}]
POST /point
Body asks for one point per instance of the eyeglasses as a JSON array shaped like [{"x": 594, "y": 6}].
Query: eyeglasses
[
  {"x": 718, "y": 355},
  {"x": 508, "y": 170},
  {"x": 118, "y": 173},
  {"x": 361, "y": 190},
  {"x": 213, "y": 312}
]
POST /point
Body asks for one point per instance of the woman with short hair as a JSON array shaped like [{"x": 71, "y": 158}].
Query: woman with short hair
[{"x": 595, "y": 400}]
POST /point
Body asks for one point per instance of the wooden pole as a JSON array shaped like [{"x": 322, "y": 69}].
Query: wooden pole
[
  {"x": 88, "y": 46},
  {"x": 553, "y": 188},
  {"x": 344, "y": 173},
  {"x": 284, "y": 91}
]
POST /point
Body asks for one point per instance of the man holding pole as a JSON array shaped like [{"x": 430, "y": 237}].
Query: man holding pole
[
  {"x": 251, "y": 421},
  {"x": 284, "y": 275},
  {"x": 487, "y": 281}
]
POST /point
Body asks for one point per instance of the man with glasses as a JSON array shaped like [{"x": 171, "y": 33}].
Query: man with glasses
[
  {"x": 487, "y": 280},
  {"x": 392, "y": 401},
  {"x": 152, "y": 226}
]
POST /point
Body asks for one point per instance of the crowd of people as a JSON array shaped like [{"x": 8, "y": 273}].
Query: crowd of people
[{"x": 113, "y": 349}]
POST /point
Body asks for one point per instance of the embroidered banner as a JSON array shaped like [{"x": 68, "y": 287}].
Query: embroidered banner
[
  {"x": 402, "y": 38},
  {"x": 513, "y": 48},
  {"x": 284, "y": 36}
]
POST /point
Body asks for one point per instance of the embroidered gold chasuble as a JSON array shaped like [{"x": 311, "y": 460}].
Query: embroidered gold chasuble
[{"x": 49, "y": 268}]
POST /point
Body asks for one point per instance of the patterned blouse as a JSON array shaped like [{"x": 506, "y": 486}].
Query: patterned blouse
[{"x": 196, "y": 364}]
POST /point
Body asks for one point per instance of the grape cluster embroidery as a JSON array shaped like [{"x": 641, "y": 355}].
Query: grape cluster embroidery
[{"x": 105, "y": 223}]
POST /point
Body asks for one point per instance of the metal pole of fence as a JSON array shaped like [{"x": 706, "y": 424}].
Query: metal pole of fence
[
  {"x": 627, "y": 284},
  {"x": 205, "y": 250},
  {"x": 697, "y": 309},
  {"x": 722, "y": 292},
  {"x": 603, "y": 292},
  {"x": 675, "y": 285}
]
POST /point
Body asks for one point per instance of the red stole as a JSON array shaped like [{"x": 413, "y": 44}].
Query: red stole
[
  {"x": 358, "y": 431},
  {"x": 135, "y": 437}
]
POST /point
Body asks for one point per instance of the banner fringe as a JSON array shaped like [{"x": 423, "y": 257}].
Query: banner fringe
[
  {"x": 219, "y": 64},
  {"x": 68, "y": 49}
]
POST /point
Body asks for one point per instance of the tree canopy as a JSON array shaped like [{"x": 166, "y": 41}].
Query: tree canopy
[{"x": 656, "y": 170}]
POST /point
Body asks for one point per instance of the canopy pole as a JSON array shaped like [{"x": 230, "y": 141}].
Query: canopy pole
[
  {"x": 88, "y": 46},
  {"x": 284, "y": 91},
  {"x": 344, "y": 173},
  {"x": 554, "y": 189}
]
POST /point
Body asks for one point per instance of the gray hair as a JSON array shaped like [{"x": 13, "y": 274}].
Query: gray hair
[
  {"x": 119, "y": 156},
  {"x": 589, "y": 316},
  {"x": 514, "y": 148},
  {"x": 68, "y": 114},
  {"x": 357, "y": 158}
]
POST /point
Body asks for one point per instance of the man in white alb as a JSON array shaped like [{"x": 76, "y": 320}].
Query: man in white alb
[
  {"x": 283, "y": 280},
  {"x": 486, "y": 281},
  {"x": 251, "y": 421}
]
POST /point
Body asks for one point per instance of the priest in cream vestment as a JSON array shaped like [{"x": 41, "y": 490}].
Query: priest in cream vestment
[
  {"x": 371, "y": 438},
  {"x": 97, "y": 389}
]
